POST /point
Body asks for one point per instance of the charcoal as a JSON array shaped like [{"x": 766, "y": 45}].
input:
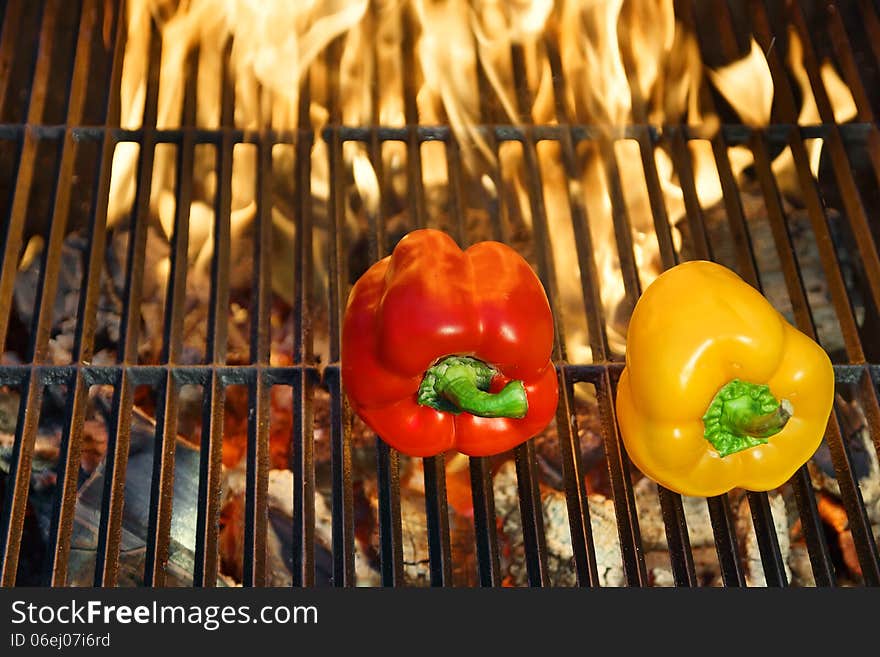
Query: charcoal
[
  {"x": 138, "y": 482},
  {"x": 74, "y": 258},
  {"x": 560, "y": 556},
  {"x": 745, "y": 529}
]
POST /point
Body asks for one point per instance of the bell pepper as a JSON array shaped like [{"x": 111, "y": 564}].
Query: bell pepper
[
  {"x": 448, "y": 349},
  {"x": 719, "y": 391}
]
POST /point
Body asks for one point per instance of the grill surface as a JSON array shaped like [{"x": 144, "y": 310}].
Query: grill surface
[{"x": 59, "y": 81}]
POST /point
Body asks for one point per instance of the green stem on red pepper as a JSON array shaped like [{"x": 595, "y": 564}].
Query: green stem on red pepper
[
  {"x": 458, "y": 384},
  {"x": 744, "y": 415}
]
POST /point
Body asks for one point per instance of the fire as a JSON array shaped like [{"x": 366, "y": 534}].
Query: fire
[
  {"x": 623, "y": 62},
  {"x": 747, "y": 85},
  {"x": 842, "y": 104}
]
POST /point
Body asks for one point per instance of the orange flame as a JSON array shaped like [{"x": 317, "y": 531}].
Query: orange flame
[{"x": 623, "y": 62}]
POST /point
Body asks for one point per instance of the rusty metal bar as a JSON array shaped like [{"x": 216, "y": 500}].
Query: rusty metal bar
[
  {"x": 629, "y": 270},
  {"x": 624, "y": 499},
  {"x": 302, "y": 449},
  {"x": 485, "y": 531},
  {"x": 342, "y": 501},
  {"x": 162, "y": 492},
  {"x": 387, "y": 459},
  {"x": 488, "y": 561},
  {"x": 256, "y": 513},
  {"x": 340, "y": 413},
  {"x": 850, "y": 493},
  {"x": 115, "y": 463},
  {"x": 110, "y": 530},
  {"x": 530, "y": 507},
  {"x": 646, "y": 138},
  {"x": 725, "y": 541},
  {"x": 390, "y": 527},
  {"x": 8, "y": 42},
  {"x": 814, "y": 535},
  {"x": 29, "y": 411},
  {"x": 859, "y": 524},
  {"x": 531, "y": 513},
  {"x": 784, "y": 100},
  {"x": 437, "y": 515},
  {"x": 256, "y": 510},
  {"x": 18, "y": 482},
  {"x": 682, "y": 160},
  {"x": 736, "y": 220},
  {"x": 681, "y": 556},
  {"x": 765, "y": 529},
  {"x": 719, "y": 507},
  {"x": 206, "y": 562},
  {"x": 846, "y": 184},
  {"x": 44, "y": 62},
  {"x": 768, "y": 542},
  {"x": 61, "y": 529},
  {"x": 583, "y": 546},
  {"x": 871, "y": 24},
  {"x": 415, "y": 185},
  {"x": 26, "y": 167},
  {"x": 851, "y": 71},
  {"x": 677, "y": 538}
]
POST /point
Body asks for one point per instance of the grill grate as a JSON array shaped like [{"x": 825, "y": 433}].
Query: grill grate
[{"x": 36, "y": 118}]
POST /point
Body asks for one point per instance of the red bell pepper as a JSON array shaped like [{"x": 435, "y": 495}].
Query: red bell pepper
[{"x": 448, "y": 349}]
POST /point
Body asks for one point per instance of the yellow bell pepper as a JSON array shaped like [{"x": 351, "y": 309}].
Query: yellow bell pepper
[{"x": 719, "y": 391}]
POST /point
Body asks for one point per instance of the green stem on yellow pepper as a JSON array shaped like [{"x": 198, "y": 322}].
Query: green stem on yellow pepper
[
  {"x": 459, "y": 384},
  {"x": 744, "y": 415}
]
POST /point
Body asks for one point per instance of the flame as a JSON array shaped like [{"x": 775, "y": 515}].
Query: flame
[
  {"x": 623, "y": 62},
  {"x": 842, "y": 103},
  {"x": 599, "y": 93},
  {"x": 748, "y": 86}
]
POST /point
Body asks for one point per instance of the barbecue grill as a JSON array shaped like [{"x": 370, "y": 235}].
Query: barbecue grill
[{"x": 61, "y": 65}]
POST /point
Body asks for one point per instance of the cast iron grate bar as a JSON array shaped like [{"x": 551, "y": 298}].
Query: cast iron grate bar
[
  {"x": 387, "y": 459},
  {"x": 852, "y": 75},
  {"x": 390, "y": 531},
  {"x": 759, "y": 503},
  {"x": 437, "y": 517},
  {"x": 58, "y": 545},
  {"x": 488, "y": 566},
  {"x": 805, "y": 498},
  {"x": 719, "y": 506},
  {"x": 849, "y": 489},
  {"x": 303, "y": 447},
  {"x": 10, "y": 29},
  {"x": 672, "y": 509},
  {"x": 853, "y": 208},
  {"x": 577, "y": 503},
  {"x": 110, "y": 524},
  {"x": 624, "y": 500},
  {"x": 436, "y": 508},
  {"x": 256, "y": 519},
  {"x": 872, "y": 25},
  {"x": 482, "y": 493},
  {"x": 206, "y": 563},
  {"x": 340, "y": 414},
  {"x": 18, "y": 483},
  {"x": 162, "y": 492},
  {"x": 680, "y": 555}
]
